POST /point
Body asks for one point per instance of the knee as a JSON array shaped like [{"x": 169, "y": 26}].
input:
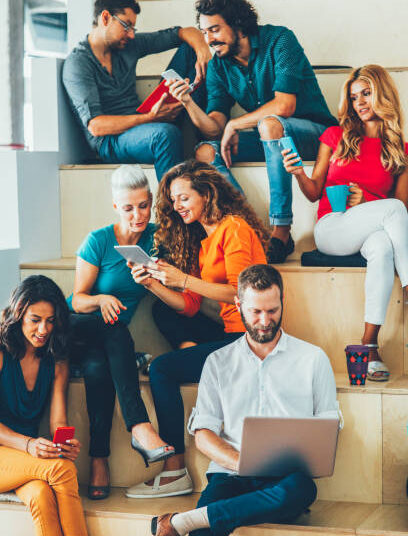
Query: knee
[
  {"x": 205, "y": 153},
  {"x": 159, "y": 368},
  {"x": 306, "y": 488},
  {"x": 39, "y": 495},
  {"x": 63, "y": 472},
  {"x": 270, "y": 128},
  {"x": 96, "y": 368},
  {"x": 168, "y": 133}
]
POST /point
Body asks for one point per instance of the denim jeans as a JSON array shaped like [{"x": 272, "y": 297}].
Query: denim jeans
[
  {"x": 168, "y": 371},
  {"x": 106, "y": 354},
  {"x": 251, "y": 148},
  {"x": 234, "y": 501},
  {"x": 160, "y": 144}
]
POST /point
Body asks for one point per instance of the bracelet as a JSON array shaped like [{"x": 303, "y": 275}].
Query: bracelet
[
  {"x": 28, "y": 442},
  {"x": 185, "y": 281}
]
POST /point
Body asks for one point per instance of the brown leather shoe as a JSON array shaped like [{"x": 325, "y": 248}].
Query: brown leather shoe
[{"x": 161, "y": 526}]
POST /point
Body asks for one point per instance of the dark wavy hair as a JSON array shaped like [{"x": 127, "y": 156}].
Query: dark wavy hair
[
  {"x": 114, "y": 7},
  {"x": 34, "y": 289},
  {"x": 239, "y": 14},
  {"x": 181, "y": 243}
]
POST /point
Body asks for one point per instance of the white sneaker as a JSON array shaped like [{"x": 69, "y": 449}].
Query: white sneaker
[{"x": 181, "y": 486}]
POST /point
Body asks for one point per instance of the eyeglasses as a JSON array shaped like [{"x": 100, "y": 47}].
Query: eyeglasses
[{"x": 126, "y": 27}]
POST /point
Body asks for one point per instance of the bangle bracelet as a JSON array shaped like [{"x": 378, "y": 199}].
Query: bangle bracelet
[
  {"x": 185, "y": 281},
  {"x": 28, "y": 442}
]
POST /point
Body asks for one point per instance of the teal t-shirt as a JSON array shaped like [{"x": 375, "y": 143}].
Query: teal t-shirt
[{"x": 114, "y": 276}]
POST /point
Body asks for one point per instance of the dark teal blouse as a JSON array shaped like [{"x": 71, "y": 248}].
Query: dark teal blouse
[{"x": 21, "y": 409}]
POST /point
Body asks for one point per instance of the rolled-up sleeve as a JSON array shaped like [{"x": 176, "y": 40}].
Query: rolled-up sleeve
[
  {"x": 219, "y": 100},
  {"x": 208, "y": 412},
  {"x": 289, "y": 62},
  {"x": 82, "y": 89}
]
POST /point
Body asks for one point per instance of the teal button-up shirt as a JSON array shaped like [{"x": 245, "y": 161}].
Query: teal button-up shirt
[{"x": 277, "y": 63}]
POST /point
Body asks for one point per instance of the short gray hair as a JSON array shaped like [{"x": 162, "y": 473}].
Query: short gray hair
[{"x": 129, "y": 177}]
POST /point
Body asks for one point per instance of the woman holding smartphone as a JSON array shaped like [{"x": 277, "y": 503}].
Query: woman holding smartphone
[
  {"x": 103, "y": 302},
  {"x": 367, "y": 151},
  {"x": 33, "y": 370},
  {"x": 208, "y": 234}
]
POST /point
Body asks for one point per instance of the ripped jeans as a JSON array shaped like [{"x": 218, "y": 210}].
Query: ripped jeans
[{"x": 251, "y": 148}]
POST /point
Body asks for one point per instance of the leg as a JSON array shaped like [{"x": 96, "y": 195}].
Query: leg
[
  {"x": 179, "y": 329},
  {"x": 305, "y": 135},
  {"x": 18, "y": 468},
  {"x": 40, "y": 499},
  {"x": 272, "y": 502},
  {"x": 160, "y": 144},
  {"x": 249, "y": 150}
]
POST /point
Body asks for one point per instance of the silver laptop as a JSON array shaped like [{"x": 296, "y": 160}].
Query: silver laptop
[{"x": 276, "y": 447}]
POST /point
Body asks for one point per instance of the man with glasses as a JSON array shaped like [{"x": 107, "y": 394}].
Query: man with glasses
[{"x": 100, "y": 78}]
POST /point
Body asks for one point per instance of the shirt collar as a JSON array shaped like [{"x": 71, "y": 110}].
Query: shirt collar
[{"x": 280, "y": 347}]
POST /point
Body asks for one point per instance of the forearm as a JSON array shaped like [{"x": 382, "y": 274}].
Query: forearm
[
  {"x": 11, "y": 439},
  {"x": 251, "y": 120},
  {"x": 85, "y": 303},
  {"x": 193, "y": 37},
  {"x": 309, "y": 187},
  {"x": 214, "y": 291},
  {"x": 105, "y": 125},
  {"x": 207, "y": 125},
  {"x": 218, "y": 450},
  {"x": 172, "y": 298}
]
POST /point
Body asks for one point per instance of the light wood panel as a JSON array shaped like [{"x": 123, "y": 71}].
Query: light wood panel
[
  {"x": 327, "y": 309},
  {"x": 358, "y": 471},
  {"x": 395, "y": 449}
]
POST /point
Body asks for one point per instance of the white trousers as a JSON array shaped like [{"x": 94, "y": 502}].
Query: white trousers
[{"x": 379, "y": 230}]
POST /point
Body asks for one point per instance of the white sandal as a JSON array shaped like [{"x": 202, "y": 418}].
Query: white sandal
[
  {"x": 377, "y": 370},
  {"x": 181, "y": 486}
]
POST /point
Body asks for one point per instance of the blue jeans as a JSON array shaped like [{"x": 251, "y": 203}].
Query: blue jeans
[
  {"x": 168, "y": 371},
  {"x": 251, "y": 148},
  {"x": 234, "y": 501},
  {"x": 160, "y": 144}
]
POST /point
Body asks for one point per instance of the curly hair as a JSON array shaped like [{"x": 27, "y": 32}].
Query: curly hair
[
  {"x": 239, "y": 14},
  {"x": 114, "y": 7},
  {"x": 34, "y": 289},
  {"x": 180, "y": 242},
  {"x": 386, "y": 106}
]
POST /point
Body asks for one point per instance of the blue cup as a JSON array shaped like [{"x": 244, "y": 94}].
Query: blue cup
[{"x": 337, "y": 196}]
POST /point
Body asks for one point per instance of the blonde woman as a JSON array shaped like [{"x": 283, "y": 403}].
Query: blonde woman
[{"x": 367, "y": 151}]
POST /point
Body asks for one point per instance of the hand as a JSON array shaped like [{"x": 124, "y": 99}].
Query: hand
[
  {"x": 229, "y": 143},
  {"x": 289, "y": 161},
  {"x": 357, "y": 195},
  {"x": 203, "y": 57},
  {"x": 140, "y": 275},
  {"x": 169, "y": 275},
  {"x": 162, "y": 112},
  {"x": 71, "y": 450},
  {"x": 180, "y": 90},
  {"x": 110, "y": 308},
  {"x": 43, "y": 448}
]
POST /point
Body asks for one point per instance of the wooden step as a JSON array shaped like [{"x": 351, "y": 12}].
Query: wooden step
[
  {"x": 335, "y": 295},
  {"x": 127, "y": 517}
]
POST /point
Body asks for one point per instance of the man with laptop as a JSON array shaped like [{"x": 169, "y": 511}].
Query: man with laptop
[
  {"x": 100, "y": 78},
  {"x": 265, "y": 377}
]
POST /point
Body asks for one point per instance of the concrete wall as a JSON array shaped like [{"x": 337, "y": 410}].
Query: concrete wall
[
  {"x": 332, "y": 32},
  {"x": 9, "y": 274},
  {"x": 11, "y": 72}
]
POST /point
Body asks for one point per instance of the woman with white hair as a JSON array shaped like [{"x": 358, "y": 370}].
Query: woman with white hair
[{"x": 103, "y": 302}]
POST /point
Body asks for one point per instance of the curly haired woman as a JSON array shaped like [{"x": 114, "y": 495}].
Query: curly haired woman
[
  {"x": 367, "y": 152},
  {"x": 209, "y": 234}
]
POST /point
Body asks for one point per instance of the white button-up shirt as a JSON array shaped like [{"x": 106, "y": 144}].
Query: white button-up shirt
[{"x": 294, "y": 380}]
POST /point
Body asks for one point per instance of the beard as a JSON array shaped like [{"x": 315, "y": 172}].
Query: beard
[
  {"x": 233, "y": 49},
  {"x": 262, "y": 338}
]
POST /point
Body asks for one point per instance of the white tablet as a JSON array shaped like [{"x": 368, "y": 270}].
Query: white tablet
[{"x": 136, "y": 254}]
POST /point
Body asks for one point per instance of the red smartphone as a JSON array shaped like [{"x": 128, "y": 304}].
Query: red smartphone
[
  {"x": 63, "y": 433},
  {"x": 154, "y": 96}
]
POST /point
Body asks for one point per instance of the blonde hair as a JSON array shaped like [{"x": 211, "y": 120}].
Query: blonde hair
[
  {"x": 129, "y": 177},
  {"x": 386, "y": 106}
]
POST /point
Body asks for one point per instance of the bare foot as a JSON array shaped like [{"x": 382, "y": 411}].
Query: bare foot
[
  {"x": 282, "y": 232},
  {"x": 147, "y": 436},
  {"x": 373, "y": 355}
]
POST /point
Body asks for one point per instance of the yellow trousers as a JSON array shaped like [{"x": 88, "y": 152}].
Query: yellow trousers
[{"x": 49, "y": 487}]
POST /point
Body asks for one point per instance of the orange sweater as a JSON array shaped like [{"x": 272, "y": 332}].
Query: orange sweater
[{"x": 233, "y": 246}]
